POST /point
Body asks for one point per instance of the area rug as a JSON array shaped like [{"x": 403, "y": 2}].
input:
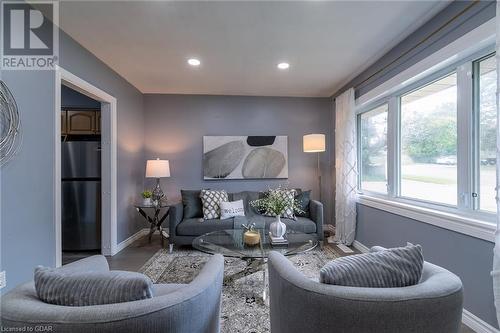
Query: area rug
[{"x": 243, "y": 307}]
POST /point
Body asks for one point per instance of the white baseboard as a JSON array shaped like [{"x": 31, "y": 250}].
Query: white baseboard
[
  {"x": 131, "y": 239},
  {"x": 360, "y": 247},
  {"x": 477, "y": 324},
  {"x": 472, "y": 321}
]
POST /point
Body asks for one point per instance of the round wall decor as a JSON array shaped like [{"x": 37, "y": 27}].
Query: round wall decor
[{"x": 10, "y": 125}]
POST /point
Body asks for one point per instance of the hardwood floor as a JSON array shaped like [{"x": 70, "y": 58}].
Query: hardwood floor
[
  {"x": 135, "y": 256},
  {"x": 138, "y": 253}
]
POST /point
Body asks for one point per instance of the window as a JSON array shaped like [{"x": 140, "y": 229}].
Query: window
[
  {"x": 373, "y": 154},
  {"x": 486, "y": 74},
  {"x": 433, "y": 143},
  {"x": 429, "y": 142}
]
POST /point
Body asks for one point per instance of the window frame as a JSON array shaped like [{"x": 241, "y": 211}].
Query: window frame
[
  {"x": 466, "y": 142},
  {"x": 476, "y": 138},
  {"x": 417, "y": 86},
  {"x": 358, "y": 152}
]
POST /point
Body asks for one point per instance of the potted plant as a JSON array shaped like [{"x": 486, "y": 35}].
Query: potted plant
[
  {"x": 275, "y": 203},
  {"x": 146, "y": 197}
]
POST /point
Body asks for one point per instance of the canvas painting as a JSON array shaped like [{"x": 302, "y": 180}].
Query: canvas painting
[{"x": 245, "y": 157}]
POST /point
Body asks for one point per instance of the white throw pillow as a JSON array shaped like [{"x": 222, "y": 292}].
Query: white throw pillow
[{"x": 231, "y": 209}]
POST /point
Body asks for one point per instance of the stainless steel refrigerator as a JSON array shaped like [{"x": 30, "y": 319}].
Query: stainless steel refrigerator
[{"x": 81, "y": 195}]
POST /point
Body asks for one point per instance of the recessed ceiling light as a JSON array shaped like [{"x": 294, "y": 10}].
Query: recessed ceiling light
[
  {"x": 283, "y": 65},
  {"x": 194, "y": 62}
]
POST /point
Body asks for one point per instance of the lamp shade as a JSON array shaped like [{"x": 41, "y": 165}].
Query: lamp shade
[
  {"x": 157, "y": 168},
  {"x": 314, "y": 143}
]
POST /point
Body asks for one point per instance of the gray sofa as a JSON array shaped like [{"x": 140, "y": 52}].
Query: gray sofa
[
  {"x": 180, "y": 308},
  {"x": 183, "y": 230},
  {"x": 299, "y": 304}
]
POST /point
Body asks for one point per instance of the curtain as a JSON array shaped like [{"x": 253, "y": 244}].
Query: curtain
[
  {"x": 496, "y": 250},
  {"x": 345, "y": 168}
]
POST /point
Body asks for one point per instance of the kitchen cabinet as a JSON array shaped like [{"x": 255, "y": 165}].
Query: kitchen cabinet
[
  {"x": 98, "y": 122},
  {"x": 64, "y": 127},
  {"x": 80, "y": 122}
]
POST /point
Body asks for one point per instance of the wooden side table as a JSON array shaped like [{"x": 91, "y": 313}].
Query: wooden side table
[{"x": 156, "y": 219}]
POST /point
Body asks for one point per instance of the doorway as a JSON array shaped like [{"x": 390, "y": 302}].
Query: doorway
[
  {"x": 107, "y": 149},
  {"x": 80, "y": 175}
]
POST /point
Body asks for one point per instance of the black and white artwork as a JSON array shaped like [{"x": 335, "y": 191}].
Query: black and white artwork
[{"x": 245, "y": 157}]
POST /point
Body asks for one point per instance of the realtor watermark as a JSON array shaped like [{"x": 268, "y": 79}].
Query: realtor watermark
[{"x": 30, "y": 35}]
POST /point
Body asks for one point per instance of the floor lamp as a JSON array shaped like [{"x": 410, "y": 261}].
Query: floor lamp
[{"x": 315, "y": 143}]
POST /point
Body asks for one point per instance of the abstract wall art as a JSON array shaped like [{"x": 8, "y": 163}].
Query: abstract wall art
[{"x": 245, "y": 157}]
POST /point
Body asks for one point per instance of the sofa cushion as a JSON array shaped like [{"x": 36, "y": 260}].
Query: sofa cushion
[
  {"x": 302, "y": 224},
  {"x": 192, "y": 204},
  {"x": 198, "y": 227},
  {"x": 391, "y": 268},
  {"x": 247, "y": 197},
  {"x": 303, "y": 198},
  {"x": 57, "y": 286}
]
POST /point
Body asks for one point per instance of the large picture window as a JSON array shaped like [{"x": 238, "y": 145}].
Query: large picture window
[
  {"x": 433, "y": 143},
  {"x": 429, "y": 142},
  {"x": 373, "y": 154}
]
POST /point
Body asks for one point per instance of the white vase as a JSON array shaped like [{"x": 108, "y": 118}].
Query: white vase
[
  {"x": 147, "y": 201},
  {"x": 277, "y": 228}
]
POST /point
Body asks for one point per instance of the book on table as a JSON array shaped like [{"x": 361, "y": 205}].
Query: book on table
[{"x": 278, "y": 240}]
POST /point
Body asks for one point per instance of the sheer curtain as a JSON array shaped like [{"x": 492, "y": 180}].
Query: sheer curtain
[
  {"x": 496, "y": 255},
  {"x": 345, "y": 168}
]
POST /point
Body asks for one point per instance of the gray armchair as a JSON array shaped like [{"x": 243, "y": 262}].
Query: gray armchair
[
  {"x": 299, "y": 304},
  {"x": 180, "y": 308}
]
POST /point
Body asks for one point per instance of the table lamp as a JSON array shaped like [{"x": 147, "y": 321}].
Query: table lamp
[
  {"x": 157, "y": 169},
  {"x": 315, "y": 143}
]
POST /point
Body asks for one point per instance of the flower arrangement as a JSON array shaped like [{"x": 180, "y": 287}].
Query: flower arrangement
[
  {"x": 146, "y": 194},
  {"x": 275, "y": 202}
]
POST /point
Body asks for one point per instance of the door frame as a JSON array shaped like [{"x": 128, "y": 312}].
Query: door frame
[{"x": 108, "y": 160}]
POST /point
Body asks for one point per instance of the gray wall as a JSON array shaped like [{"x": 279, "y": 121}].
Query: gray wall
[
  {"x": 468, "y": 257},
  {"x": 73, "y": 99},
  {"x": 27, "y": 182},
  {"x": 176, "y": 125},
  {"x": 130, "y": 122}
]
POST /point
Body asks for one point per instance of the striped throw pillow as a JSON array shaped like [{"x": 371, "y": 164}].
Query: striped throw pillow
[
  {"x": 389, "y": 268},
  {"x": 55, "y": 286}
]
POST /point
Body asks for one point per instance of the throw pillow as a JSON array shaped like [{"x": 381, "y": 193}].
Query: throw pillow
[
  {"x": 192, "y": 204},
  {"x": 247, "y": 197},
  {"x": 210, "y": 200},
  {"x": 54, "y": 286},
  {"x": 288, "y": 196},
  {"x": 390, "y": 268},
  {"x": 303, "y": 199},
  {"x": 231, "y": 209}
]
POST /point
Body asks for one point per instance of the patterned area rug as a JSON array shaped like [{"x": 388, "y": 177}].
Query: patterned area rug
[{"x": 243, "y": 307}]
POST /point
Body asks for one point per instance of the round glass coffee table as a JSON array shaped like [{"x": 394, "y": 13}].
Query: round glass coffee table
[{"x": 230, "y": 243}]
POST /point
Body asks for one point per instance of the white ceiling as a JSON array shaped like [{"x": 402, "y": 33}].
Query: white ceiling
[{"x": 240, "y": 43}]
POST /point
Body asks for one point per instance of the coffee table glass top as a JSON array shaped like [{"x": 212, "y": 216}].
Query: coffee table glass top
[{"x": 230, "y": 243}]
